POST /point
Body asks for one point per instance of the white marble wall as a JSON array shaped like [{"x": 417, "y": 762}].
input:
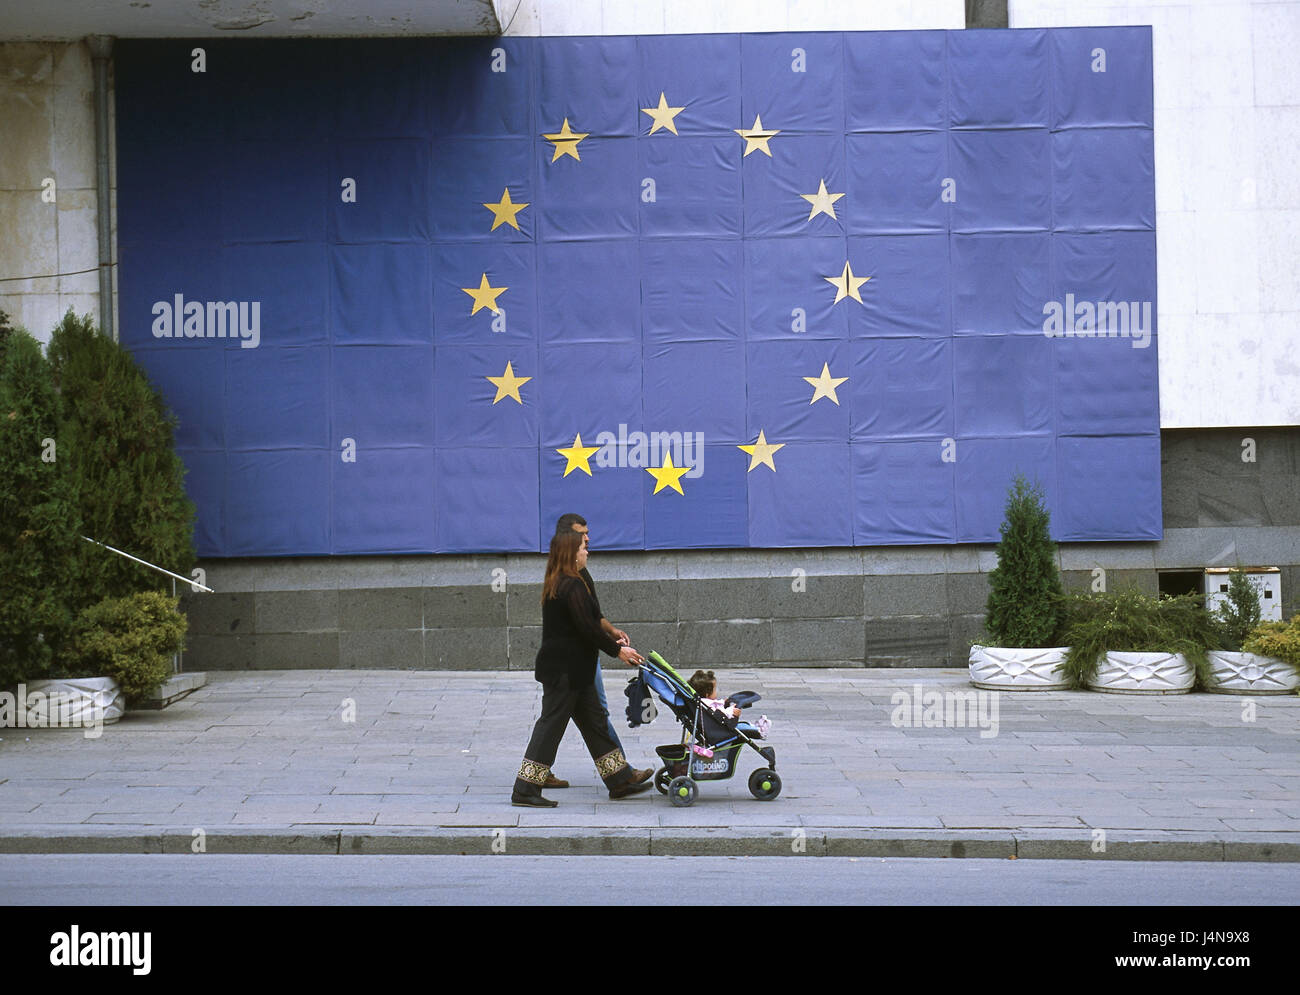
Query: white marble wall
[
  {"x": 47, "y": 131},
  {"x": 652, "y": 17},
  {"x": 1227, "y": 123}
]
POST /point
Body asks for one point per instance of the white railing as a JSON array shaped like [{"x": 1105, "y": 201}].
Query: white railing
[{"x": 194, "y": 585}]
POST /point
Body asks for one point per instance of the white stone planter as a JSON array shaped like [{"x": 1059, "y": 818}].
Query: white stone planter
[
  {"x": 76, "y": 702},
  {"x": 1000, "y": 668},
  {"x": 1143, "y": 673},
  {"x": 1249, "y": 673}
]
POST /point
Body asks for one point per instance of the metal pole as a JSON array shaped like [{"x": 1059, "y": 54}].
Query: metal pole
[
  {"x": 187, "y": 580},
  {"x": 101, "y": 48}
]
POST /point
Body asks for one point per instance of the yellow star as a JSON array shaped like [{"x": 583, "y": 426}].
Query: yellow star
[
  {"x": 505, "y": 211},
  {"x": 668, "y": 475},
  {"x": 756, "y": 137},
  {"x": 663, "y": 115},
  {"x": 822, "y": 202},
  {"x": 761, "y": 451},
  {"x": 846, "y": 284},
  {"x": 579, "y": 456},
  {"x": 508, "y": 384},
  {"x": 485, "y": 296},
  {"x": 566, "y": 141},
  {"x": 825, "y": 385}
]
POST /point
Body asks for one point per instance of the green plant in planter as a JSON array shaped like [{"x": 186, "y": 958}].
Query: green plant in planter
[
  {"x": 1136, "y": 622},
  {"x": 1280, "y": 640},
  {"x": 129, "y": 639},
  {"x": 1239, "y": 612},
  {"x": 1025, "y": 593}
]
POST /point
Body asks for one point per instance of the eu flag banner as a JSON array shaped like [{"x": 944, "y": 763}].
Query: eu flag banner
[{"x": 711, "y": 291}]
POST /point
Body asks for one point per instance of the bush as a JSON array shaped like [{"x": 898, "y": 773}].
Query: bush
[
  {"x": 40, "y": 544},
  {"x": 1024, "y": 604},
  {"x": 1239, "y": 612},
  {"x": 129, "y": 639},
  {"x": 1276, "y": 639},
  {"x": 121, "y": 454},
  {"x": 1136, "y": 622}
]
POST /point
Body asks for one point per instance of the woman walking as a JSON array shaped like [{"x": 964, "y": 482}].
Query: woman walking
[{"x": 566, "y": 668}]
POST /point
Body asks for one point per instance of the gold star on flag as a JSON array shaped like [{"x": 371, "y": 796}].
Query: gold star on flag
[
  {"x": 663, "y": 115},
  {"x": 825, "y": 385},
  {"x": 756, "y": 137},
  {"x": 761, "y": 452},
  {"x": 579, "y": 456},
  {"x": 846, "y": 284},
  {"x": 505, "y": 211},
  {"x": 822, "y": 202},
  {"x": 508, "y": 384},
  {"x": 668, "y": 475},
  {"x": 485, "y": 296},
  {"x": 566, "y": 141}
]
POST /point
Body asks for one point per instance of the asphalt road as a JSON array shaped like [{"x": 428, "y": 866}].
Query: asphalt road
[{"x": 215, "y": 880}]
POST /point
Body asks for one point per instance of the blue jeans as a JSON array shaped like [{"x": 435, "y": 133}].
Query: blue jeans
[{"x": 600, "y": 693}]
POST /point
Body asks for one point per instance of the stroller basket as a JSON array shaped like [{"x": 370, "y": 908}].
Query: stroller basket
[{"x": 719, "y": 767}]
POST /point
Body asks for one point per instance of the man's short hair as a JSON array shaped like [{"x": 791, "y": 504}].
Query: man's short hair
[{"x": 565, "y": 523}]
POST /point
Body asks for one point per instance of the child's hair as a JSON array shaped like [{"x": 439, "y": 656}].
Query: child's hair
[{"x": 703, "y": 683}]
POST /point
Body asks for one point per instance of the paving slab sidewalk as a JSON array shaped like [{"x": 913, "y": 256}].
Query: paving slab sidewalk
[{"x": 377, "y": 761}]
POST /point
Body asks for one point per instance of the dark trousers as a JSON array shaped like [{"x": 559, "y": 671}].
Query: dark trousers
[{"x": 560, "y": 703}]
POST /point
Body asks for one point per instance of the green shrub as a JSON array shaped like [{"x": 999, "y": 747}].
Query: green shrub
[
  {"x": 121, "y": 454},
  {"x": 129, "y": 639},
  {"x": 1136, "y": 622},
  {"x": 1024, "y": 604},
  {"x": 1276, "y": 639},
  {"x": 40, "y": 545},
  {"x": 1239, "y": 612}
]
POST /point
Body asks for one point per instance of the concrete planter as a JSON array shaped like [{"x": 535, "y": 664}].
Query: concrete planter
[
  {"x": 1249, "y": 673},
  {"x": 1143, "y": 673},
  {"x": 1000, "y": 668},
  {"x": 76, "y": 702}
]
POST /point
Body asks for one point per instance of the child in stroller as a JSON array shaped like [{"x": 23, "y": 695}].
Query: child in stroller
[{"x": 706, "y": 686}]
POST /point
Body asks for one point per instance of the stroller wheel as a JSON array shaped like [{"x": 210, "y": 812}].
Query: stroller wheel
[
  {"x": 764, "y": 784},
  {"x": 662, "y": 777},
  {"x": 682, "y": 791}
]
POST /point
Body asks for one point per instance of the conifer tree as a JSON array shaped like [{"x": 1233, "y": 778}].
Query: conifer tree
[
  {"x": 1239, "y": 612},
  {"x": 129, "y": 480},
  {"x": 1025, "y": 594},
  {"x": 40, "y": 544}
]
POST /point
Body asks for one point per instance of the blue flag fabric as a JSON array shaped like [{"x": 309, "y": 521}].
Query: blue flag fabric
[{"x": 709, "y": 291}]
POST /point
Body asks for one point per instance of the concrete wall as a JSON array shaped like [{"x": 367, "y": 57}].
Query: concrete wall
[
  {"x": 1227, "y": 204},
  {"x": 47, "y": 132},
  {"x": 1227, "y": 128}
]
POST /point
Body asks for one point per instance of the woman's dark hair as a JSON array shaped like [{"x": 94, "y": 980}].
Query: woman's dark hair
[
  {"x": 703, "y": 683},
  {"x": 562, "y": 561}
]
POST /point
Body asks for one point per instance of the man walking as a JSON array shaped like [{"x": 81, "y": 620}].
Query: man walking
[{"x": 578, "y": 524}]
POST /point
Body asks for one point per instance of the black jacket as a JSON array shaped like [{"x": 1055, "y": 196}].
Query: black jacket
[{"x": 571, "y": 635}]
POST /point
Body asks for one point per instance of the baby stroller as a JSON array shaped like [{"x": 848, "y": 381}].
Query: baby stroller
[{"x": 712, "y": 742}]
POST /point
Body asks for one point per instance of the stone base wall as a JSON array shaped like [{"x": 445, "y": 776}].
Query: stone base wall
[{"x": 875, "y": 607}]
